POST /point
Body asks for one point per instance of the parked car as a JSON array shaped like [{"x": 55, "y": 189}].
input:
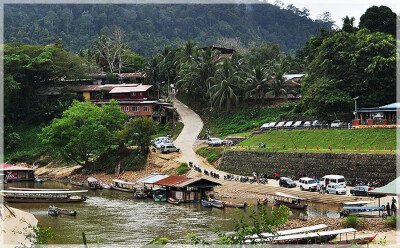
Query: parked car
[
  {"x": 264, "y": 126},
  {"x": 334, "y": 188},
  {"x": 161, "y": 139},
  {"x": 336, "y": 123},
  {"x": 338, "y": 179},
  {"x": 160, "y": 144},
  {"x": 280, "y": 124},
  {"x": 316, "y": 123},
  {"x": 169, "y": 147},
  {"x": 226, "y": 142},
  {"x": 297, "y": 124},
  {"x": 214, "y": 142},
  {"x": 272, "y": 125},
  {"x": 287, "y": 182},
  {"x": 360, "y": 190},
  {"x": 307, "y": 124},
  {"x": 288, "y": 124},
  {"x": 306, "y": 183}
]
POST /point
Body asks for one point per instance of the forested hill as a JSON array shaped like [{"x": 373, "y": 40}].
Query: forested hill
[{"x": 149, "y": 27}]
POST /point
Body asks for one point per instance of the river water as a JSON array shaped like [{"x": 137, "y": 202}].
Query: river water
[{"x": 114, "y": 217}]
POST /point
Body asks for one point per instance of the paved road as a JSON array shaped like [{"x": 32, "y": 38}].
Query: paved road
[{"x": 187, "y": 139}]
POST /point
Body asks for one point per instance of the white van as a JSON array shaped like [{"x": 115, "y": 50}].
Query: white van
[
  {"x": 325, "y": 180},
  {"x": 306, "y": 183}
]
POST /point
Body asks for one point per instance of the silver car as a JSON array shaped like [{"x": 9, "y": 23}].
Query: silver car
[{"x": 337, "y": 189}]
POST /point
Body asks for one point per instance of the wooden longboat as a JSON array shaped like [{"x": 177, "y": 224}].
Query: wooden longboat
[
  {"x": 123, "y": 186},
  {"x": 75, "y": 183},
  {"x": 12, "y": 196},
  {"x": 359, "y": 241},
  {"x": 289, "y": 201},
  {"x": 206, "y": 203},
  {"x": 173, "y": 201},
  {"x": 217, "y": 203},
  {"x": 235, "y": 205}
]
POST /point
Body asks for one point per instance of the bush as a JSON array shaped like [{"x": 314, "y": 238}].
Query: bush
[
  {"x": 211, "y": 154},
  {"x": 182, "y": 169},
  {"x": 350, "y": 222},
  {"x": 392, "y": 221}
]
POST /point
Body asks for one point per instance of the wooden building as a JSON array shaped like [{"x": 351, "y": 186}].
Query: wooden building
[
  {"x": 16, "y": 173},
  {"x": 378, "y": 116},
  {"x": 188, "y": 189}
]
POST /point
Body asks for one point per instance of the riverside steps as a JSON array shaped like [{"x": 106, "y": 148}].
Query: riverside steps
[{"x": 313, "y": 197}]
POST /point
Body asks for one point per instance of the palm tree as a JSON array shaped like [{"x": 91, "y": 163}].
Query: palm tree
[
  {"x": 258, "y": 81},
  {"x": 222, "y": 93},
  {"x": 185, "y": 53},
  {"x": 278, "y": 86}
]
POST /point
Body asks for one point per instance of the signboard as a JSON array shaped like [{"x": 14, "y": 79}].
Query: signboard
[
  {"x": 11, "y": 175},
  {"x": 377, "y": 115}
]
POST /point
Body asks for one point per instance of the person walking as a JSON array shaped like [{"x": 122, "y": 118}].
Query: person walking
[
  {"x": 393, "y": 207},
  {"x": 388, "y": 209}
]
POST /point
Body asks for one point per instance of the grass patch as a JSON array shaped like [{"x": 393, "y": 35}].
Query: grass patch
[
  {"x": 211, "y": 154},
  {"x": 363, "y": 138},
  {"x": 248, "y": 134},
  {"x": 182, "y": 169},
  {"x": 178, "y": 129},
  {"x": 392, "y": 221}
]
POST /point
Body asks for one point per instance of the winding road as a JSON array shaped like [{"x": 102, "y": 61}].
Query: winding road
[{"x": 187, "y": 141}]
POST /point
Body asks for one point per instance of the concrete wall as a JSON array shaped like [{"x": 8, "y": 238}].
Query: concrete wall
[{"x": 352, "y": 165}]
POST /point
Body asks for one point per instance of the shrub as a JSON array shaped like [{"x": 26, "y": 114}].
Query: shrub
[
  {"x": 350, "y": 222},
  {"x": 392, "y": 221},
  {"x": 363, "y": 223},
  {"x": 182, "y": 169},
  {"x": 211, "y": 154}
]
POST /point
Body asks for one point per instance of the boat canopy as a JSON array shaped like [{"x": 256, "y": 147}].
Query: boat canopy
[
  {"x": 42, "y": 192},
  {"x": 289, "y": 196},
  {"x": 291, "y": 231},
  {"x": 123, "y": 182},
  {"x": 33, "y": 189},
  {"x": 306, "y": 235},
  {"x": 155, "y": 189},
  {"x": 357, "y": 203},
  {"x": 365, "y": 208},
  {"x": 92, "y": 179}
]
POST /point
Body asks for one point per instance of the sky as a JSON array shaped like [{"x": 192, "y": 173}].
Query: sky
[{"x": 340, "y": 8}]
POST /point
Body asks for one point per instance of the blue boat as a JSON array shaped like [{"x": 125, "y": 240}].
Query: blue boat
[{"x": 206, "y": 203}]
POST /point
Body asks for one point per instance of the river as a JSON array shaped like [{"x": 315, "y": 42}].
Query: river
[{"x": 114, "y": 217}]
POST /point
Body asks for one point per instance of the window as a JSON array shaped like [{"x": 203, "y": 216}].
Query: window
[
  {"x": 145, "y": 109},
  {"x": 133, "y": 93},
  {"x": 125, "y": 108},
  {"x": 141, "y": 93},
  {"x": 135, "y": 109}
]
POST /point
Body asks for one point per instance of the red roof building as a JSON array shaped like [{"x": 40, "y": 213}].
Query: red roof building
[{"x": 16, "y": 173}]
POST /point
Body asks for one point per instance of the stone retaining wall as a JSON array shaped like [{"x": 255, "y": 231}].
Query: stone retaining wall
[{"x": 353, "y": 166}]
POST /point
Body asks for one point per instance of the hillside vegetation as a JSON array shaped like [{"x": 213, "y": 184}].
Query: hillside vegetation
[
  {"x": 363, "y": 138},
  {"x": 149, "y": 27}
]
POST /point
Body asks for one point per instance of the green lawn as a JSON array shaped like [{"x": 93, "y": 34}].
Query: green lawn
[
  {"x": 363, "y": 138},
  {"x": 212, "y": 154}
]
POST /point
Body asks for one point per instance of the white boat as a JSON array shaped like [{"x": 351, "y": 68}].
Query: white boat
[
  {"x": 40, "y": 196},
  {"x": 33, "y": 189}
]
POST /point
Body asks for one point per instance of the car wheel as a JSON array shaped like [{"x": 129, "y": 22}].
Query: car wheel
[
  {"x": 310, "y": 189},
  {"x": 301, "y": 187},
  {"x": 327, "y": 192},
  {"x": 353, "y": 194},
  {"x": 177, "y": 150},
  {"x": 337, "y": 192},
  {"x": 168, "y": 151}
]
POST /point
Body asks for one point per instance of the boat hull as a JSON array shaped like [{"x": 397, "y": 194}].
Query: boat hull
[
  {"x": 173, "y": 201},
  {"x": 42, "y": 200},
  {"x": 360, "y": 241},
  {"x": 290, "y": 205},
  {"x": 206, "y": 204},
  {"x": 123, "y": 189}
]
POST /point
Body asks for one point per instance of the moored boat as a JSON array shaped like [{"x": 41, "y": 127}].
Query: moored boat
[
  {"x": 14, "y": 196},
  {"x": 173, "y": 201},
  {"x": 140, "y": 192},
  {"x": 76, "y": 183},
  {"x": 52, "y": 211},
  {"x": 125, "y": 186},
  {"x": 93, "y": 183},
  {"x": 289, "y": 201},
  {"x": 359, "y": 241},
  {"x": 206, "y": 203},
  {"x": 217, "y": 203},
  {"x": 262, "y": 201},
  {"x": 160, "y": 194},
  {"x": 235, "y": 205},
  {"x": 38, "y": 180},
  {"x": 66, "y": 212}
]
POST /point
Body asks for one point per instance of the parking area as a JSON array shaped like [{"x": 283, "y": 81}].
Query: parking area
[{"x": 316, "y": 124}]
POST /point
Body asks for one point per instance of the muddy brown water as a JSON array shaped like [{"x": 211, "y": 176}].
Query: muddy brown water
[{"x": 114, "y": 217}]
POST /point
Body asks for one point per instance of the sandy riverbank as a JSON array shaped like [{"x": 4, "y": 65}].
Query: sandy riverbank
[{"x": 15, "y": 228}]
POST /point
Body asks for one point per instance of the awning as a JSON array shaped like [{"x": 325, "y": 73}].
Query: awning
[
  {"x": 392, "y": 188},
  {"x": 92, "y": 179},
  {"x": 123, "y": 182},
  {"x": 289, "y": 196}
]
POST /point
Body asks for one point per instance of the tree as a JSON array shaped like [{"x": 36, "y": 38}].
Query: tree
[
  {"x": 379, "y": 19},
  {"x": 264, "y": 53},
  {"x": 348, "y": 25},
  {"x": 139, "y": 130},
  {"x": 222, "y": 93},
  {"x": 83, "y": 132},
  {"x": 260, "y": 221},
  {"x": 258, "y": 82},
  {"x": 278, "y": 87}
]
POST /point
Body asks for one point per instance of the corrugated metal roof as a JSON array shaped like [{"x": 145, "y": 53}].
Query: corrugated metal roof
[
  {"x": 172, "y": 180},
  {"x": 132, "y": 75},
  {"x": 9, "y": 167},
  {"x": 139, "y": 88},
  {"x": 152, "y": 178}
]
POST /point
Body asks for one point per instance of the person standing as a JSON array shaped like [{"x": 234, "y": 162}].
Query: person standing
[
  {"x": 318, "y": 188},
  {"x": 388, "y": 209},
  {"x": 393, "y": 207}
]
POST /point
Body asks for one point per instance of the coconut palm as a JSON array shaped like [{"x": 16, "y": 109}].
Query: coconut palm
[
  {"x": 258, "y": 82},
  {"x": 278, "y": 86},
  {"x": 222, "y": 93}
]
